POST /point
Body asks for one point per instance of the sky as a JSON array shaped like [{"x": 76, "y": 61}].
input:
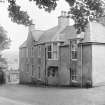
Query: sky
[{"x": 42, "y": 20}]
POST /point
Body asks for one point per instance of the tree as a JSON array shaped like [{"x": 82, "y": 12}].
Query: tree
[
  {"x": 81, "y": 11},
  {"x": 4, "y": 40},
  {"x": 17, "y": 15},
  {"x": 4, "y": 44}
]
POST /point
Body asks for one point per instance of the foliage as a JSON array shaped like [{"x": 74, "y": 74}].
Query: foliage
[
  {"x": 3, "y": 62},
  {"x": 48, "y": 5},
  {"x": 4, "y": 40},
  {"x": 17, "y": 15},
  {"x": 81, "y": 11}
]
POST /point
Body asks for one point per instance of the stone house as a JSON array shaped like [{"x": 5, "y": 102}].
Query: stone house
[{"x": 59, "y": 56}]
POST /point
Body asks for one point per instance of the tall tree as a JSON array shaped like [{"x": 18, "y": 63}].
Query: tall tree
[
  {"x": 4, "y": 44},
  {"x": 81, "y": 11},
  {"x": 4, "y": 40}
]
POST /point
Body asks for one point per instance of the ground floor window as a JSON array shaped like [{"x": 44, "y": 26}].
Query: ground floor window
[
  {"x": 39, "y": 72},
  {"x": 32, "y": 70},
  {"x": 52, "y": 71},
  {"x": 73, "y": 74},
  {"x": 74, "y": 55},
  {"x": 27, "y": 67}
]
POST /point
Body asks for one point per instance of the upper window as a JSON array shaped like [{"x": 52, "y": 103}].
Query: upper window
[
  {"x": 55, "y": 51},
  {"x": 49, "y": 51},
  {"x": 39, "y": 51},
  {"x": 32, "y": 51},
  {"x": 52, "y": 50},
  {"x": 26, "y": 52},
  {"x": 74, "y": 50}
]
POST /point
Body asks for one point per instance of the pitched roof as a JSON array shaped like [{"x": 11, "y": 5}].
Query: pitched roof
[
  {"x": 36, "y": 34},
  {"x": 58, "y": 33},
  {"x": 23, "y": 45},
  {"x": 48, "y": 35},
  {"x": 68, "y": 33}
]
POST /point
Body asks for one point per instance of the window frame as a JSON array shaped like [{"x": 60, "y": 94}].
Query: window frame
[
  {"x": 32, "y": 51},
  {"x": 39, "y": 51},
  {"x": 49, "y": 51},
  {"x": 33, "y": 69},
  {"x": 27, "y": 68},
  {"x": 74, "y": 52},
  {"x": 52, "y": 51},
  {"x": 52, "y": 72},
  {"x": 39, "y": 72}
]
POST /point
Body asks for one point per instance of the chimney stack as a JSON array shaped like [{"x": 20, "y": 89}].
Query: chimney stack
[{"x": 63, "y": 20}]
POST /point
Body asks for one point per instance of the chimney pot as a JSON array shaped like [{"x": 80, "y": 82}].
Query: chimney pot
[{"x": 63, "y": 20}]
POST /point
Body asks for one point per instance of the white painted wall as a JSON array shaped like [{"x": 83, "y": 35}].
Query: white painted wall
[
  {"x": 97, "y": 32},
  {"x": 98, "y": 64}
]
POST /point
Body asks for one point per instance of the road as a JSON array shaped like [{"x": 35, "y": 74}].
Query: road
[{"x": 31, "y": 95}]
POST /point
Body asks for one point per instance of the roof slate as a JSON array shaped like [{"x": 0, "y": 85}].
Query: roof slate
[
  {"x": 68, "y": 33},
  {"x": 48, "y": 35},
  {"x": 36, "y": 34},
  {"x": 58, "y": 33}
]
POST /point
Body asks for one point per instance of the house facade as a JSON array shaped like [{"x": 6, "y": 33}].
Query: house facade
[{"x": 59, "y": 56}]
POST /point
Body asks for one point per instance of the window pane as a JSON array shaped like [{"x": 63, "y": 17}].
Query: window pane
[
  {"x": 39, "y": 51},
  {"x": 27, "y": 68},
  {"x": 55, "y": 55},
  {"x": 53, "y": 72},
  {"x": 54, "y": 46},
  {"x": 32, "y": 51},
  {"x": 32, "y": 69},
  {"x": 26, "y": 52},
  {"x": 73, "y": 74},
  {"x": 74, "y": 54},
  {"x": 39, "y": 72},
  {"x": 49, "y": 55},
  {"x": 48, "y": 73},
  {"x": 49, "y": 47}
]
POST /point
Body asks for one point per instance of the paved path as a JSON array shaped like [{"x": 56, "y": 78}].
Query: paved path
[
  {"x": 30, "y": 95},
  {"x": 7, "y": 101}
]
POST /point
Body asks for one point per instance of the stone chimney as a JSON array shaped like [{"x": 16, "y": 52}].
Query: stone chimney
[
  {"x": 31, "y": 27},
  {"x": 63, "y": 20}
]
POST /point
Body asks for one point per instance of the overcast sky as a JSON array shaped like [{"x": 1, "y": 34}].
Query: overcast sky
[{"x": 42, "y": 20}]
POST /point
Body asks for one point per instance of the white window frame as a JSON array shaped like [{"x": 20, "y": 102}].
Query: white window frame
[
  {"x": 52, "y": 51},
  {"x": 49, "y": 51},
  {"x": 39, "y": 51},
  {"x": 74, "y": 50},
  {"x": 55, "y": 51}
]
